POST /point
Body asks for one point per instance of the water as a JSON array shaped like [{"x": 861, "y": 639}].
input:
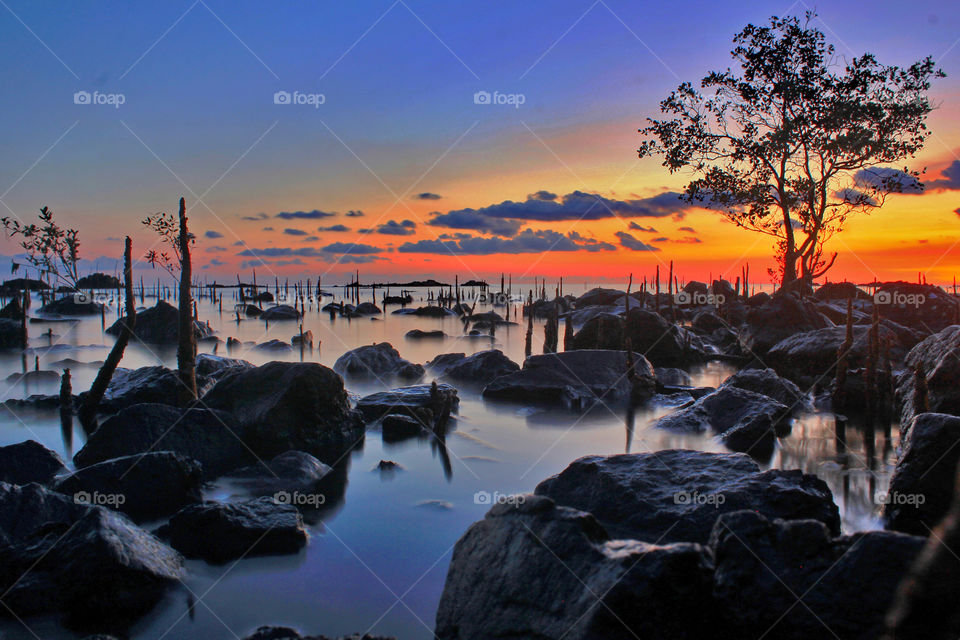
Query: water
[{"x": 377, "y": 562}]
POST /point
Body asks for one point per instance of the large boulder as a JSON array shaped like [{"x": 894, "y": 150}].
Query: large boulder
[
  {"x": 291, "y": 472},
  {"x": 223, "y": 531},
  {"x": 144, "y": 486},
  {"x": 662, "y": 342},
  {"x": 155, "y": 384},
  {"x": 160, "y": 325},
  {"x": 419, "y": 402},
  {"x": 778, "y": 318},
  {"x": 212, "y": 368},
  {"x": 72, "y": 305},
  {"x": 289, "y": 405},
  {"x": 598, "y": 296},
  {"x": 11, "y": 334},
  {"x": 286, "y": 633},
  {"x": 367, "y": 309},
  {"x": 768, "y": 383},
  {"x": 938, "y": 355},
  {"x": 212, "y": 438},
  {"x": 280, "y": 312},
  {"x": 840, "y": 291},
  {"x": 576, "y": 379},
  {"x": 87, "y": 562},
  {"x": 531, "y": 569},
  {"x": 923, "y": 306},
  {"x": 379, "y": 361},
  {"x": 676, "y": 495},
  {"x": 477, "y": 369},
  {"x": 811, "y": 357},
  {"x": 28, "y": 462},
  {"x": 793, "y": 580},
  {"x": 922, "y": 484}
]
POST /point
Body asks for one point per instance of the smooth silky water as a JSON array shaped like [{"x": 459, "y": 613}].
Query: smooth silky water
[{"x": 377, "y": 559}]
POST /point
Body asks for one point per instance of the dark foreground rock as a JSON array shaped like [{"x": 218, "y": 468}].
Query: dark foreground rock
[
  {"x": 477, "y": 369},
  {"x": 286, "y": 633},
  {"x": 87, "y": 562},
  {"x": 938, "y": 355},
  {"x": 293, "y": 471},
  {"x": 676, "y": 495},
  {"x": 213, "y": 438},
  {"x": 158, "y": 325},
  {"x": 283, "y": 406},
  {"x": 28, "y": 462},
  {"x": 768, "y": 383},
  {"x": 379, "y": 362},
  {"x": 219, "y": 532},
  {"x": 71, "y": 306},
  {"x": 11, "y": 336},
  {"x": 576, "y": 380},
  {"x": 778, "y": 318},
  {"x": 418, "y": 402},
  {"x": 536, "y": 570},
  {"x": 128, "y": 387},
  {"x": 148, "y": 485},
  {"x": 921, "y": 487}
]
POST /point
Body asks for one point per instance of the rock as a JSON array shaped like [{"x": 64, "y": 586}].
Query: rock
[
  {"x": 251, "y": 310},
  {"x": 477, "y": 369},
  {"x": 708, "y": 322},
  {"x": 220, "y": 532},
  {"x": 397, "y": 427},
  {"x": 379, "y": 361},
  {"x": 672, "y": 377},
  {"x": 791, "y": 580},
  {"x": 426, "y": 312},
  {"x": 283, "y": 406},
  {"x": 922, "y": 484},
  {"x": 367, "y": 309},
  {"x": 212, "y": 367},
  {"x": 602, "y": 331},
  {"x": 938, "y": 356},
  {"x": 575, "y": 379},
  {"x": 159, "y": 325},
  {"x": 28, "y": 462},
  {"x": 139, "y": 386},
  {"x": 13, "y": 310},
  {"x": 11, "y": 336},
  {"x": 293, "y": 472},
  {"x": 280, "y": 312},
  {"x": 768, "y": 383},
  {"x": 84, "y": 561},
  {"x": 779, "y": 318},
  {"x": 212, "y": 438},
  {"x": 661, "y": 342},
  {"x": 70, "y": 305},
  {"x": 273, "y": 345},
  {"x": 675, "y": 495},
  {"x": 840, "y": 291},
  {"x": 419, "y": 334},
  {"x": 415, "y": 401},
  {"x": 306, "y": 338},
  {"x": 810, "y": 357},
  {"x": 598, "y": 296},
  {"x": 924, "y": 306},
  {"x": 286, "y": 633},
  {"x": 151, "y": 485},
  {"x": 536, "y": 570},
  {"x": 388, "y": 466}
]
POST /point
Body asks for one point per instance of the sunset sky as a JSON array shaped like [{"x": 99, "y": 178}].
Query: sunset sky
[{"x": 400, "y": 172}]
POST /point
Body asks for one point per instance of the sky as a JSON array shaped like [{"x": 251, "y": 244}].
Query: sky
[{"x": 411, "y": 139}]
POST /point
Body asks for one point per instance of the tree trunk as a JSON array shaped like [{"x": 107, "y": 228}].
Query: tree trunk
[
  {"x": 187, "y": 344},
  {"x": 88, "y": 410}
]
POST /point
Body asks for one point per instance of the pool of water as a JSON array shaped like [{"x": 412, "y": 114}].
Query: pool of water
[{"x": 377, "y": 560}]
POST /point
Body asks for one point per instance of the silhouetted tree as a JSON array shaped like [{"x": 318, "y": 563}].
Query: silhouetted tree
[{"x": 789, "y": 144}]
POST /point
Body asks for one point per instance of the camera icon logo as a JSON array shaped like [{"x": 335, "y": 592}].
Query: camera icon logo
[
  {"x": 281, "y": 97},
  {"x": 682, "y": 297},
  {"x": 882, "y": 297},
  {"x": 81, "y": 97},
  {"x": 81, "y": 298},
  {"x": 482, "y": 497},
  {"x": 481, "y": 97},
  {"x": 81, "y": 497},
  {"x": 282, "y": 497}
]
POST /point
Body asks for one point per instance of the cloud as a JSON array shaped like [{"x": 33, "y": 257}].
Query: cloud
[
  {"x": 639, "y": 227},
  {"x": 347, "y": 248},
  {"x": 216, "y": 249},
  {"x": 528, "y": 241},
  {"x": 688, "y": 229},
  {"x": 950, "y": 179},
  {"x": 426, "y": 195},
  {"x": 295, "y": 232},
  {"x": 476, "y": 221},
  {"x": 886, "y": 179},
  {"x": 394, "y": 228},
  {"x": 304, "y": 215},
  {"x": 542, "y": 195},
  {"x": 957, "y": 211},
  {"x": 348, "y": 259},
  {"x": 661, "y": 239},
  {"x": 311, "y": 238},
  {"x": 335, "y": 228},
  {"x": 689, "y": 240},
  {"x": 213, "y": 234},
  {"x": 268, "y": 228},
  {"x": 354, "y": 214},
  {"x": 259, "y": 216},
  {"x": 281, "y": 252},
  {"x": 629, "y": 242}
]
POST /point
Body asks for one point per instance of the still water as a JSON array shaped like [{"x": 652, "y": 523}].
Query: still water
[{"x": 376, "y": 562}]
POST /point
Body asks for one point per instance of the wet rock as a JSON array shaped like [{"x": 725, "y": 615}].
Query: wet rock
[
  {"x": 28, "y": 462},
  {"x": 672, "y": 377},
  {"x": 273, "y": 345},
  {"x": 159, "y": 325},
  {"x": 286, "y": 633},
  {"x": 768, "y": 383},
  {"x": 367, "y": 309},
  {"x": 293, "y": 471},
  {"x": 792, "y": 580},
  {"x": 599, "y": 296},
  {"x": 13, "y": 310},
  {"x": 938, "y": 357},
  {"x": 251, "y": 310},
  {"x": 924, "y": 306},
  {"x": 11, "y": 336},
  {"x": 212, "y": 368},
  {"x": 212, "y": 438},
  {"x": 397, "y": 427},
  {"x": 84, "y": 561},
  {"x": 536, "y": 570},
  {"x": 477, "y": 369},
  {"x": 34, "y": 378},
  {"x": 388, "y": 466},
  {"x": 426, "y": 312},
  {"x": 675, "y": 495},
  {"x": 840, "y": 291},
  {"x": 575, "y": 379},
  {"x": 220, "y": 532},
  {"x": 415, "y": 401},
  {"x": 139, "y": 386},
  {"x": 922, "y": 484},
  {"x": 152, "y": 484},
  {"x": 420, "y": 334},
  {"x": 306, "y": 338},
  {"x": 602, "y": 331},
  {"x": 779, "y": 318},
  {"x": 708, "y": 322},
  {"x": 660, "y": 341},
  {"x": 264, "y": 296},
  {"x": 280, "y": 312},
  {"x": 378, "y": 361},
  {"x": 283, "y": 406},
  {"x": 71, "y": 306}
]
